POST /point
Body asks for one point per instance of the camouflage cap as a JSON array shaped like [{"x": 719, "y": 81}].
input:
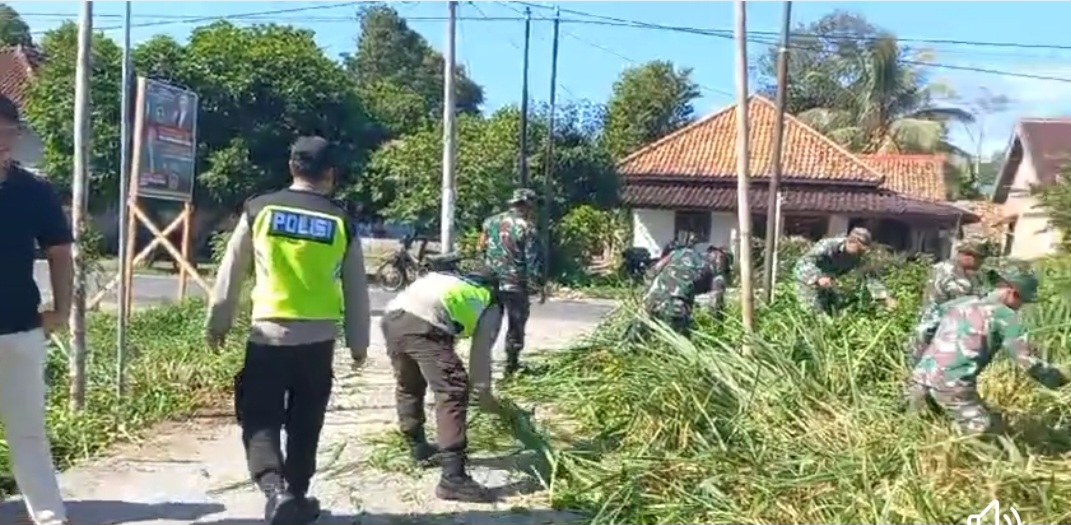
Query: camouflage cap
[
  {"x": 523, "y": 195},
  {"x": 862, "y": 235},
  {"x": 1020, "y": 277},
  {"x": 977, "y": 246}
]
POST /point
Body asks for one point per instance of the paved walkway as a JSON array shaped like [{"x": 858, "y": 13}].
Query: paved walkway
[{"x": 194, "y": 472}]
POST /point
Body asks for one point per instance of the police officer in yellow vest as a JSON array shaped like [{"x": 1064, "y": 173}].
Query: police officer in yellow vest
[
  {"x": 421, "y": 326},
  {"x": 308, "y": 272}
]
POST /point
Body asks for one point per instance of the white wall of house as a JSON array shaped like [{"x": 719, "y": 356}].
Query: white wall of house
[
  {"x": 1031, "y": 236},
  {"x": 653, "y": 229},
  {"x": 838, "y": 225}
]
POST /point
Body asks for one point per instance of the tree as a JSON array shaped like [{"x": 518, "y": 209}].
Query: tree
[
  {"x": 858, "y": 85},
  {"x": 649, "y": 101},
  {"x": 50, "y": 110},
  {"x": 13, "y": 29},
  {"x": 400, "y": 76},
  {"x": 1055, "y": 199}
]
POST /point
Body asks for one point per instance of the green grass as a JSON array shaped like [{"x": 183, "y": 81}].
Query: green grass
[{"x": 807, "y": 428}]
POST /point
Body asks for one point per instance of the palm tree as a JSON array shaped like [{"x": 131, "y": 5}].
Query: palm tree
[{"x": 884, "y": 104}]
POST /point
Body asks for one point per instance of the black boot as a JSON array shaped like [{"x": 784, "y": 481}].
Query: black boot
[
  {"x": 456, "y": 484},
  {"x": 513, "y": 361},
  {"x": 420, "y": 451}
]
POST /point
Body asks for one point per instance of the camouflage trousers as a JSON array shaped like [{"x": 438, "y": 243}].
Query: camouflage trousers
[
  {"x": 820, "y": 300},
  {"x": 962, "y": 404},
  {"x": 674, "y": 312}
]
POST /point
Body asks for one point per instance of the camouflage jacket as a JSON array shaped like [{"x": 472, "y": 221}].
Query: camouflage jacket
[
  {"x": 512, "y": 250},
  {"x": 681, "y": 276},
  {"x": 947, "y": 282},
  {"x": 827, "y": 257},
  {"x": 971, "y": 332}
]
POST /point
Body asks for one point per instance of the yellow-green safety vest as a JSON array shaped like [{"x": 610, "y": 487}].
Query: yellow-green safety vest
[
  {"x": 299, "y": 261},
  {"x": 465, "y": 302}
]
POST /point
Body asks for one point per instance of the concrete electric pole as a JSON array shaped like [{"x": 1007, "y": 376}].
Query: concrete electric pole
[{"x": 446, "y": 220}]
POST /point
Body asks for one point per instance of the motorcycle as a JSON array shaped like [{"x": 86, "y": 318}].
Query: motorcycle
[{"x": 402, "y": 268}]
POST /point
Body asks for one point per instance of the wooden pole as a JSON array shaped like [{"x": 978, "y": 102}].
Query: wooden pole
[
  {"x": 78, "y": 207},
  {"x": 743, "y": 207},
  {"x": 772, "y": 208},
  {"x": 124, "y": 214},
  {"x": 132, "y": 196},
  {"x": 548, "y": 161},
  {"x": 187, "y": 227}
]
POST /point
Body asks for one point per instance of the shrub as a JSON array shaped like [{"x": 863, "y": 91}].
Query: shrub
[
  {"x": 808, "y": 428},
  {"x": 169, "y": 373}
]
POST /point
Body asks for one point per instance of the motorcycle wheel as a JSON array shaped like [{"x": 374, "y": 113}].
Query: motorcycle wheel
[{"x": 390, "y": 277}]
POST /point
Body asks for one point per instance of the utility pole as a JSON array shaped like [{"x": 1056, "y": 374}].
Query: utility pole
[
  {"x": 446, "y": 220},
  {"x": 773, "y": 208},
  {"x": 522, "y": 161},
  {"x": 548, "y": 160},
  {"x": 124, "y": 195},
  {"x": 78, "y": 207},
  {"x": 743, "y": 207}
]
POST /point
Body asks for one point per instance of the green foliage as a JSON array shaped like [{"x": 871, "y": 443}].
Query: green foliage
[
  {"x": 1055, "y": 199},
  {"x": 806, "y": 428},
  {"x": 259, "y": 87},
  {"x": 13, "y": 29},
  {"x": 169, "y": 373},
  {"x": 649, "y": 101},
  {"x": 582, "y": 234},
  {"x": 863, "y": 92},
  {"x": 50, "y": 110},
  {"x": 400, "y": 76}
]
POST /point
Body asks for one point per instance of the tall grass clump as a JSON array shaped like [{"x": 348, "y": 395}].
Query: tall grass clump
[
  {"x": 170, "y": 372},
  {"x": 807, "y": 428}
]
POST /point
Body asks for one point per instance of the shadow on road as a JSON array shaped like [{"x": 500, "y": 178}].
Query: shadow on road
[
  {"x": 117, "y": 512},
  {"x": 474, "y": 517}
]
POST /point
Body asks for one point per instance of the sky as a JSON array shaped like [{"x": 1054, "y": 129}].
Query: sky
[{"x": 592, "y": 55}]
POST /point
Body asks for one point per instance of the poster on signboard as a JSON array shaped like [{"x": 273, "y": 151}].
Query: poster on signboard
[{"x": 167, "y": 141}]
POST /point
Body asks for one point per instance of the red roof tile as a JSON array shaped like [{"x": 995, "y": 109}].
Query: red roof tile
[
  {"x": 17, "y": 67},
  {"x": 918, "y": 176},
  {"x": 797, "y": 199},
  {"x": 707, "y": 149}
]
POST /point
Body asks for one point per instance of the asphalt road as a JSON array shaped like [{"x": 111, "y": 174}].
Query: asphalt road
[{"x": 152, "y": 290}]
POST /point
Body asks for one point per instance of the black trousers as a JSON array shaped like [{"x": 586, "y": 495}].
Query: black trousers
[
  {"x": 518, "y": 308},
  {"x": 283, "y": 387},
  {"x": 423, "y": 356}
]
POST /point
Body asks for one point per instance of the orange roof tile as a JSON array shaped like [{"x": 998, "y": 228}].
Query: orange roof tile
[
  {"x": 706, "y": 148},
  {"x": 918, "y": 176},
  {"x": 17, "y": 67},
  {"x": 992, "y": 223}
]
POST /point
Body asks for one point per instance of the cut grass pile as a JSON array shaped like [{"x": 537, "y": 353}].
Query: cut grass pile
[{"x": 808, "y": 428}]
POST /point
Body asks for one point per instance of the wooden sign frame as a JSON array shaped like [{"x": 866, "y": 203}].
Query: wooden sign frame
[{"x": 135, "y": 215}]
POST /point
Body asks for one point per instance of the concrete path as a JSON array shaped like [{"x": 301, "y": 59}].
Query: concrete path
[{"x": 194, "y": 472}]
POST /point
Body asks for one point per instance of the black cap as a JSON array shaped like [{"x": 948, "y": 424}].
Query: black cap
[
  {"x": 313, "y": 154},
  {"x": 9, "y": 111}
]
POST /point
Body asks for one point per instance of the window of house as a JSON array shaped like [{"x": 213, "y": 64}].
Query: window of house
[{"x": 694, "y": 222}]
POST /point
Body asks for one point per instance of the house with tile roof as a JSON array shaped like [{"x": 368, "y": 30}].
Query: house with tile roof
[
  {"x": 1037, "y": 152},
  {"x": 18, "y": 64},
  {"x": 686, "y": 181}
]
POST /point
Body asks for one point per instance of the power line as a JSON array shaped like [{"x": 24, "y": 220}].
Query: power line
[
  {"x": 194, "y": 20},
  {"x": 602, "y": 20}
]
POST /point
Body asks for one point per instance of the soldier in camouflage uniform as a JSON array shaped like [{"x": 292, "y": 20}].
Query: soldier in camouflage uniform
[
  {"x": 971, "y": 332},
  {"x": 510, "y": 249},
  {"x": 680, "y": 277},
  {"x": 949, "y": 280},
  {"x": 830, "y": 258}
]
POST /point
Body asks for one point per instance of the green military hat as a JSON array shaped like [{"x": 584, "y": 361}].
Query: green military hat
[
  {"x": 523, "y": 196},
  {"x": 1020, "y": 277},
  {"x": 862, "y": 235}
]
